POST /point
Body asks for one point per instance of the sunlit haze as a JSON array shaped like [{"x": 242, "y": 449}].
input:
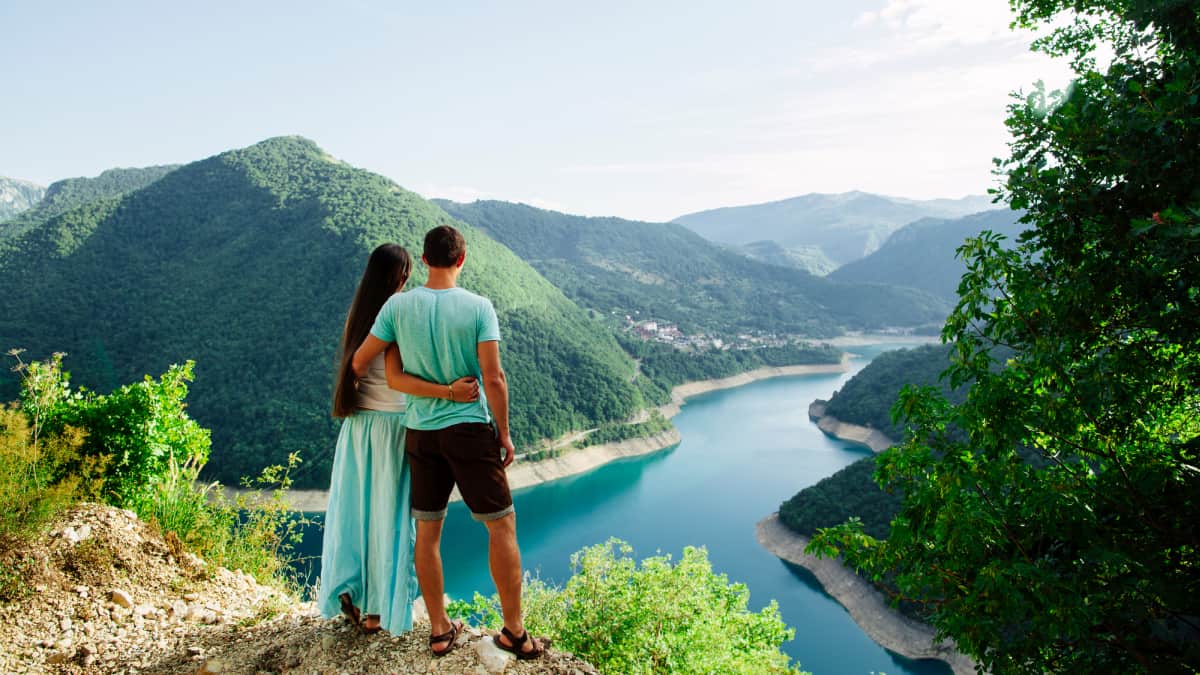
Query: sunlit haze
[{"x": 640, "y": 110}]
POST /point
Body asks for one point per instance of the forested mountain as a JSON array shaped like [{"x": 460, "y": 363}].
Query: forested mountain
[
  {"x": 866, "y": 399},
  {"x": 64, "y": 195},
  {"x": 246, "y": 262},
  {"x": 922, "y": 254},
  {"x": 808, "y": 258},
  {"x": 17, "y": 196},
  {"x": 844, "y": 226},
  {"x": 667, "y": 272}
]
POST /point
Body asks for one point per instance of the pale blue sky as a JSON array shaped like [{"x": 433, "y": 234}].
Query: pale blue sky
[{"x": 644, "y": 110}]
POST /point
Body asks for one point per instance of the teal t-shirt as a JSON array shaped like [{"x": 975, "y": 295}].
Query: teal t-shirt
[{"x": 437, "y": 332}]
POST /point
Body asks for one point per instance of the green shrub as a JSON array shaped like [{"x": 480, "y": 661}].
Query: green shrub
[
  {"x": 139, "y": 431},
  {"x": 138, "y": 448},
  {"x": 256, "y": 532},
  {"x": 653, "y": 617},
  {"x": 41, "y": 470}
]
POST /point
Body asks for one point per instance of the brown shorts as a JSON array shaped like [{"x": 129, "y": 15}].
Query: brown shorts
[{"x": 468, "y": 455}]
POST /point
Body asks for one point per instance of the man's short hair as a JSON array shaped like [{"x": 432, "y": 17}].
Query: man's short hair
[{"x": 444, "y": 245}]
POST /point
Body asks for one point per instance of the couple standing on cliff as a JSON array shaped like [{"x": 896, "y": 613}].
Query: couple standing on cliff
[{"x": 415, "y": 424}]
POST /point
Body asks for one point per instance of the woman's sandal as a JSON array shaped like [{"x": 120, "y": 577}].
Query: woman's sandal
[
  {"x": 515, "y": 643},
  {"x": 450, "y": 636},
  {"x": 371, "y": 630},
  {"x": 355, "y": 617},
  {"x": 349, "y": 610}
]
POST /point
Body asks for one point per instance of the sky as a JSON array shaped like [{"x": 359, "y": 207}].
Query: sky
[{"x": 643, "y": 110}]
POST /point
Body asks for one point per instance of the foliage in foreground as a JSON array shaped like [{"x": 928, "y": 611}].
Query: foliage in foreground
[
  {"x": 138, "y": 433},
  {"x": 653, "y": 617},
  {"x": 136, "y": 448},
  {"x": 1083, "y": 561},
  {"x": 32, "y": 486}
]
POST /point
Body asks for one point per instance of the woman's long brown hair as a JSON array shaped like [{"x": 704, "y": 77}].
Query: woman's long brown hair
[{"x": 387, "y": 268}]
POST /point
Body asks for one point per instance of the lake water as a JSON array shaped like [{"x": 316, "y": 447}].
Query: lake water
[{"x": 744, "y": 451}]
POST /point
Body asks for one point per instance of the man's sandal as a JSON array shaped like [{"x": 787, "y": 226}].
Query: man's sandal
[
  {"x": 450, "y": 636},
  {"x": 515, "y": 643}
]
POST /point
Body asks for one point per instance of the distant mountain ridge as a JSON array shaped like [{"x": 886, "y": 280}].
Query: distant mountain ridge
[
  {"x": 922, "y": 254},
  {"x": 845, "y": 227},
  {"x": 667, "y": 272},
  {"x": 69, "y": 193},
  {"x": 808, "y": 258},
  {"x": 18, "y": 195}
]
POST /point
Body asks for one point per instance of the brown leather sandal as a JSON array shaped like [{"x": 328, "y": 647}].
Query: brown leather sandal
[
  {"x": 371, "y": 630},
  {"x": 450, "y": 635},
  {"x": 349, "y": 610},
  {"x": 515, "y": 643}
]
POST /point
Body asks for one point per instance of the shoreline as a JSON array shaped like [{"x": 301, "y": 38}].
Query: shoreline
[
  {"x": 528, "y": 474},
  {"x": 873, "y": 439},
  {"x": 866, "y": 604}
]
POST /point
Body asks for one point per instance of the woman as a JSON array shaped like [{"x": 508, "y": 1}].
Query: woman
[{"x": 366, "y": 560}]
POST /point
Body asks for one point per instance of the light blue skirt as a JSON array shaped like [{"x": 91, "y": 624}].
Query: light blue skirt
[{"x": 369, "y": 534}]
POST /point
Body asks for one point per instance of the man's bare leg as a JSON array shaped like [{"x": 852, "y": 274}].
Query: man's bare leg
[
  {"x": 504, "y": 559},
  {"x": 427, "y": 555}
]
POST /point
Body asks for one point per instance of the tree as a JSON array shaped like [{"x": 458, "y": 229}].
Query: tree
[{"x": 1048, "y": 522}]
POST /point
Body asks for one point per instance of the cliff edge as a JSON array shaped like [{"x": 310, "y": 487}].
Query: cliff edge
[{"x": 102, "y": 592}]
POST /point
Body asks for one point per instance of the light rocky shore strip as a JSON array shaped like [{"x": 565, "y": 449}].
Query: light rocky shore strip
[
  {"x": 525, "y": 474},
  {"x": 874, "y": 439},
  {"x": 866, "y": 605}
]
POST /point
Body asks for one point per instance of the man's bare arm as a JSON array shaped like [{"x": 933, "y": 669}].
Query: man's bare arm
[
  {"x": 495, "y": 387},
  {"x": 462, "y": 390}
]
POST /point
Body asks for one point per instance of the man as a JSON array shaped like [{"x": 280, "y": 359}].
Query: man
[{"x": 445, "y": 332}]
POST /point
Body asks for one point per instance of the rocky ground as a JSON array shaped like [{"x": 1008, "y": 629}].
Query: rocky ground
[{"x": 105, "y": 594}]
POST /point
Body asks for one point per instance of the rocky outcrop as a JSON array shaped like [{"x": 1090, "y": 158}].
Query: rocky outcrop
[
  {"x": 874, "y": 439},
  {"x": 104, "y": 593},
  {"x": 17, "y": 196},
  {"x": 866, "y": 605}
]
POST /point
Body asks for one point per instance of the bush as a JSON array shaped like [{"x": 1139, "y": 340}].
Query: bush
[
  {"x": 652, "y": 617},
  {"x": 32, "y": 485},
  {"x": 139, "y": 432},
  {"x": 137, "y": 448},
  {"x": 254, "y": 532}
]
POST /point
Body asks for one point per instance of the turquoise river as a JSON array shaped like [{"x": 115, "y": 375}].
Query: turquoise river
[{"x": 743, "y": 452}]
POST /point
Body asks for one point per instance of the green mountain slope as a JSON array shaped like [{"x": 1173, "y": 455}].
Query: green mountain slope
[
  {"x": 844, "y": 226},
  {"x": 866, "y": 399},
  {"x": 921, "y": 254},
  {"x": 667, "y": 272},
  {"x": 808, "y": 258},
  {"x": 246, "y": 262},
  {"x": 64, "y": 195},
  {"x": 17, "y": 196}
]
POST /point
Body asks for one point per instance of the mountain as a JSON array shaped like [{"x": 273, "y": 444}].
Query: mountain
[
  {"x": 17, "y": 196},
  {"x": 844, "y": 227},
  {"x": 64, "y": 195},
  {"x": 866, "y": 400},
  {"x": 247, "y": 262},
  {"x": 668, "y": 273},
  {"x": 922, "y": 254},
  {"x": 808, "y": 258}
]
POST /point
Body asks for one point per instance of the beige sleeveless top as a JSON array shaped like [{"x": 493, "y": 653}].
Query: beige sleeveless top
[{"x": 373, "y": 390}]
